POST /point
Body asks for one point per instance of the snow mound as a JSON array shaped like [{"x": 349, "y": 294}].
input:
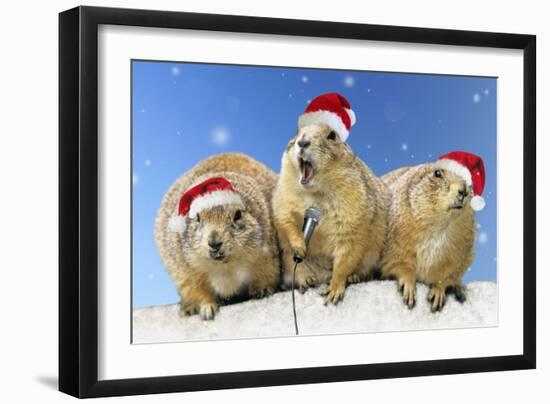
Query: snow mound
[{"x": 375, "y": 306}]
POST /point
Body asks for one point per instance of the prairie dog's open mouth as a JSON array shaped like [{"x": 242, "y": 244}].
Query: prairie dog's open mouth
[
  {"x": 306, "y": 171},
  {"x": 217, "y": 256}
]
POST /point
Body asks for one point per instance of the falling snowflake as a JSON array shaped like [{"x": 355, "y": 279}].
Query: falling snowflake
[
  {"x": 368, "y": 90},
  {"x": 412, "y": 156},
  {"x": 486, "y": 91},
  {"x": 478, "y": 225},
  {"x": 349, "y": 81},
  {"x": 290, "y": 95},
  {"x": 150, "y": 276},
  {"x": 476, "y": 98},
  {"x": 308, "y": 101},
  {"x": 178, "y": 132},
  {"x": 305, "y": 79},
  {"x": 142, "y": 110},
  {"x": 404, "y": 146},
  {"x": 220, "y": 136},
  {"x": 175, "y": 70},
  {"x": 135, "y": 179},
  {"x": 282, "y": 75},
  {"x": 147, "y": 162},
  {"x": 368, "y": 146},
  {"x": 386, "y": 160},
  {"x": 483, "y": 237}
]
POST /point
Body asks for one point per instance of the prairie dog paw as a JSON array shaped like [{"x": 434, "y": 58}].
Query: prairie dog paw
[
  {"x": 407, "y": 285},
  {"x": 299, "y": 248},
  {"x": 436, "y": 296},
  {"x": 188, "y": 309},
  {"x": 207, "y": 311},
  {"x": 305, "y": 279},
  {"x": 353, "y": 278},
  {"x": 334, "y": 293},
  {"x": 460, "y": 293},
  {"x": 261, "y": 292}
]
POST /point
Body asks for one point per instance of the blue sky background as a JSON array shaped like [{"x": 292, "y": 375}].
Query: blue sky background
[{"x": 184, "y": 112}]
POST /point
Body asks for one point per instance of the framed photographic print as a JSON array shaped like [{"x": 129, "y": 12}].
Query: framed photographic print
[{"x": 255, "y": 191}]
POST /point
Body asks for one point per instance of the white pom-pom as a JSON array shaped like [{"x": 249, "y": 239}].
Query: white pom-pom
[
  {"x": 351, "y": 115},
  {"x": 477, "y": 203},
  {"x": 176, "y": 224}
]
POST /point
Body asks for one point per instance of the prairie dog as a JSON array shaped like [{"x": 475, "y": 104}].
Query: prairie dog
[
  {"x": 431, "y": 233},
  {"x": 319, "y": 169},
  {"x": 214, "y": 232}
]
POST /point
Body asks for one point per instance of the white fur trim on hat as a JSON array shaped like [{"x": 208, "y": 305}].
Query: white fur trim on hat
[
  {"x": 216, "y": 198},
  {"x": 456, "y": 168},
  {"x": 477, "y": 203},
  {"x": 351, "y": 115},
  {"x": 327, "y": 118},
  {"x": 176, "y": 224}
]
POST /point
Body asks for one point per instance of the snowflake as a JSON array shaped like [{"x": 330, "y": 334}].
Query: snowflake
[
  {"x": 175, "y": 70},
  {"x": 476, "y": 98},
  {"x": 220, "y": 136},
  {"x": 147, "y": 162},
  {"x": 150, "y": 276},
  {"x": 135, "y": 179},
  {"x": 305, "y": 79},
  {"x": 483, "y": 238},
  {"x": 486, "y": 91},
  {"x": 404, "y": 146},
  {"x": 349, "y": 81}
]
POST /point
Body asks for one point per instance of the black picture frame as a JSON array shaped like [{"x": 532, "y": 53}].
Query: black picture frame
[{"x": 78, "y": 193}]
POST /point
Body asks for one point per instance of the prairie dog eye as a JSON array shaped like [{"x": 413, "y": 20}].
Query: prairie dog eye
[
  {"x": 237, "y": 216},
  {"x": 438, "y": 174},
  {"x": 331, "y": 135}
]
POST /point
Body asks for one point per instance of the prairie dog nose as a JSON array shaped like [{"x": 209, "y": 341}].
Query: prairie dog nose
[
  {"x": 462, "y": 193},
  {"x": 304, "y": 143},
  {"x": 214, "y": 243}
]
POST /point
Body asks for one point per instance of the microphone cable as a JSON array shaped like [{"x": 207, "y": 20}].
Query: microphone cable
[{"x": 297, "y": 260}]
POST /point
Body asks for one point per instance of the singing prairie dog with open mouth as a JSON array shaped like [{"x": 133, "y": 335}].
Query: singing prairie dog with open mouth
[
  {"x": 319, "y": 169},
  {"x": 215, "y": 233},
  {"x": 431, "y": 233}
]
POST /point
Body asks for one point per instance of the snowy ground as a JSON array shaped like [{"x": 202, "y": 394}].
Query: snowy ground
[{"x": 368, "y": 307}]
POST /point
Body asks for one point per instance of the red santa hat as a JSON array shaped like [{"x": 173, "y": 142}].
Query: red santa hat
[
  {"x": 332, "y": 110},
  {"x": 214, "y": 191},
  {"x": 470, "y": 167}
]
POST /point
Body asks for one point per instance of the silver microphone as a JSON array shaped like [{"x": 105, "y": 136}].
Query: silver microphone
[{"x": 312, "y": 216}]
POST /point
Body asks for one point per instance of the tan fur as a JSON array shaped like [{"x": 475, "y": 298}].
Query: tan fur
[
  {"x": 349, "y": 238},
  {"x": 251, "y": 262},
  {"x": 428, "y": 240}
]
